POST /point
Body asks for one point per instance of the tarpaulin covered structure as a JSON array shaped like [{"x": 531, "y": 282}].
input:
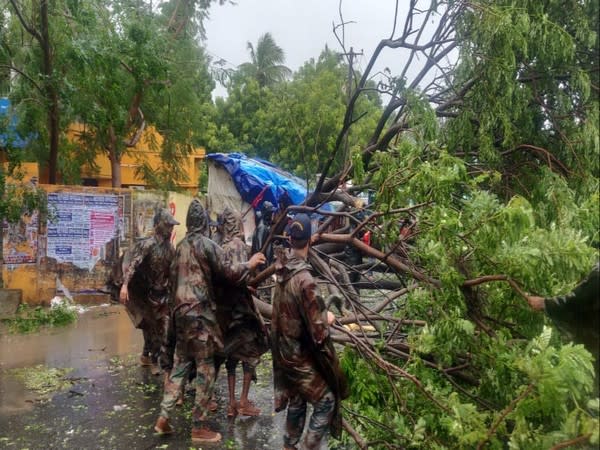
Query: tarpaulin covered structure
[
  {"x": 244, "y": 183},
  {"x": 8, "y": 129},
  {"x": 256, "y": 178}
]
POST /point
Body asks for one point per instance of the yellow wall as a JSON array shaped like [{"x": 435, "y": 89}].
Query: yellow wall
[
  {"x": 144, "y": 151},
  {"x": 29, "y": 171}
]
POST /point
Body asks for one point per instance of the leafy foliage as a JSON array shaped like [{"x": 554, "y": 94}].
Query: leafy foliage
[
  {"x": 466, "y": 231},
  {"x": 119, "y": 65},
  {"x": 502, "y": 178},
  {"x": 19, "y": 198},
  {"x": 534, "y": 99},
  {"x": 30, "y": 319},
  {"x": 42, "y": 379}
]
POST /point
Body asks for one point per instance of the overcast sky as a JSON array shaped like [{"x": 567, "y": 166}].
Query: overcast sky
[{"x": 301, "y": 28}]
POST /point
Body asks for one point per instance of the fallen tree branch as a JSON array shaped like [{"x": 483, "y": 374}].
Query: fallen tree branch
[
  {"x": 390, "y": 260},
  {"x": 583, "y": 439},
  {"x": 505, "y": 413},
  {"x": 490, "y": 278},
  {"x": 352, "y": 432}
]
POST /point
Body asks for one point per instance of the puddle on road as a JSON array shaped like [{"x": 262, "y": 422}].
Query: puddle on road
[
  {"x": 99, "y": 332},
  {"x": 86, "y": 345}
]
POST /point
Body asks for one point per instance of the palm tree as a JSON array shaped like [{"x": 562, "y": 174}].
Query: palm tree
[{"x": 267, "y": 62}]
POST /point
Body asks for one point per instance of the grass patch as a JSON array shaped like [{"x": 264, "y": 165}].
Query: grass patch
[
  {"x": 30, "y": 319},
  {"x": 43, "y": 379}
]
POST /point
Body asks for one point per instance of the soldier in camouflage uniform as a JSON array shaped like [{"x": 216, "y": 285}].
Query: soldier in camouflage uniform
[
  {"x": 305, "y": 365},
  {"x": 242, "y": 326},
  {"x": 193, "y": 330},
  {"x": 145, "y": 288}
]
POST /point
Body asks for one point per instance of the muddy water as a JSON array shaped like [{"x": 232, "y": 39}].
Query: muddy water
[
  {"x": 111, "y": 402},
  {"x": 99, "y": 332}
]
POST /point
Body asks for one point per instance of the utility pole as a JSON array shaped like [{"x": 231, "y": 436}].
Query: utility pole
[{"x": 351, "y": 55}]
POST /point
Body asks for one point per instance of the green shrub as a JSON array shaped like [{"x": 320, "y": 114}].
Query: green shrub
[{"x": 30, "y": 319}]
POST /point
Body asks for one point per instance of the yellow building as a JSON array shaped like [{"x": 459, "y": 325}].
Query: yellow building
[
  {"x": 141, "y": 153},
  {"x": 26, "y": 172}
]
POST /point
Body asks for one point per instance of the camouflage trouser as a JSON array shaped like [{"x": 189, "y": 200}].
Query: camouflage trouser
[
  {"x": 204, "y": 382},
  {"x": 147, "y": 342},
  {"x": 154, "y": 325},
  {"x": 153, "y": 337},
  {"x": 149, "y": 312},
  {"x": 318, "y": 425}
]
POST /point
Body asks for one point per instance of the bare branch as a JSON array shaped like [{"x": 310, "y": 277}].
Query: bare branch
[
  {"x": 23, "y": 74},
  {"x": 32, "y": 31}
]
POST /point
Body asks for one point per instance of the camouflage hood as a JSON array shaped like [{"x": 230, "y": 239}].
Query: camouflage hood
[
  {"x": 288, "y": 264},
  {"x": 197, "y": 218},
  {"x": 231, "y": 225}
]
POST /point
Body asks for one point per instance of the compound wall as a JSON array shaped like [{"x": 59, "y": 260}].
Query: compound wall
[{"x": 82, "y": 237}]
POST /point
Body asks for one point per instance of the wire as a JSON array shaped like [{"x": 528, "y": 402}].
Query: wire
[{"x": 219, "y": 58}]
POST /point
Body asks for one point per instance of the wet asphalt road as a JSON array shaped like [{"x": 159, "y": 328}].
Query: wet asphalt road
[{"x": 111, "y": 402}]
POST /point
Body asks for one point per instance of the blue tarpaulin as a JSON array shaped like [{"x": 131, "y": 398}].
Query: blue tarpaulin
[
  {"x": 258, "y": 180},
  {"x": 8, "y": 134}
]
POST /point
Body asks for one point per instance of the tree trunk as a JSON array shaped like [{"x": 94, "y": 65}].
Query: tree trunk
[
  {"x": 115, "y": 167},
  {"x": 2, "y": 188},
  {"x": 2, "y": 254},
  {"x": 53, "y": 128},
  {"x": 51, "y": 94},
  {"x": 49, "y": 90},
  {"x": 115, "y": 158}
]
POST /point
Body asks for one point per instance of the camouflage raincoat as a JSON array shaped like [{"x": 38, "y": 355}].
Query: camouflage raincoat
[
  {"x": 244, "y": 333},
  {"x": 304, "y": 359},
  {"x": 193, "y": 332},
  {"x": 146, "y": 272}
]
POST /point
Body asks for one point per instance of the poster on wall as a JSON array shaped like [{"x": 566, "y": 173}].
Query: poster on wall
[
  {"x": 20, "y": 240},
  {"x": 145, "y": 205},
  {"x": 83, "y": 225}
]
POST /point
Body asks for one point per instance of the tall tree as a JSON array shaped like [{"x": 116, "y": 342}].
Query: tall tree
[
  {"x": 266, "y": 62},
  {"x": 182, "y": 110},
  {"x": 295, "y": 123},
  {"x": 4, "y": 55},
  {"x": 108, "y": 59},
  {"x": 119, "y": 60},
  {"x": 153, "y": 71},
  {"x": 39, "y": 67},
  {"x": 298, "y": 126}
]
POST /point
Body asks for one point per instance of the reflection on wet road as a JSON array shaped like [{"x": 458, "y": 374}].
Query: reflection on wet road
[{"x": 111, "y": 402}]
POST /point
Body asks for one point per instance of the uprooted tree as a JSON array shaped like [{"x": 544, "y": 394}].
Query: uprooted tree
[{"x": 484, "y": 165}]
